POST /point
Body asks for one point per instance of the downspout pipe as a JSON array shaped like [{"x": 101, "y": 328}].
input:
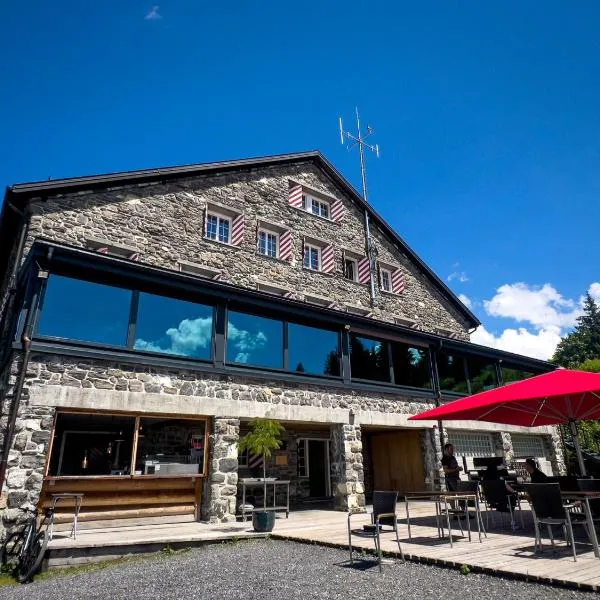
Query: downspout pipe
[{"x": 18, "y": 389}]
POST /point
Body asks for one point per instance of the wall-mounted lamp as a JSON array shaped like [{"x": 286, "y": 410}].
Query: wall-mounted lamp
[{"x": 84, "y": 462}]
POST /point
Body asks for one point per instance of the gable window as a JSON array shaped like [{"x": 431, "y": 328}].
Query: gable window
[
  {"x": 218, "y": 228},
  {"x": 268, "y": 243},
  {"x": 351, "y": 269},
  {"x": 312, "y": 257},
  {"x": 385, "y": 279},
  {"x": 315, "y": 206}
]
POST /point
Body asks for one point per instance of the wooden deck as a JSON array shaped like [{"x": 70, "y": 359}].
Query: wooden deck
[{"x": 503, "y": 552}]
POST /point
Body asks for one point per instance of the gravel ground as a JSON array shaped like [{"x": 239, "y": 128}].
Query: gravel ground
[{"x": 275, "y": 569}]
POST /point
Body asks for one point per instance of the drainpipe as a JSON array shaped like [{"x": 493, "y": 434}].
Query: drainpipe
[{"x": 18, "y": 389}]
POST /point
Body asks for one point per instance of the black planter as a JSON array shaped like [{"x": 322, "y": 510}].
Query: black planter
[{"x": 263, "y": 520}]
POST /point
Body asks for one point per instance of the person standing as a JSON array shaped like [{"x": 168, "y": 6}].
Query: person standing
[{"x": 451, "y": 468}]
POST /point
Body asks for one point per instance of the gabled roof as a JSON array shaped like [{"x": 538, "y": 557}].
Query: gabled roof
[{"x": 18, "y": 195}]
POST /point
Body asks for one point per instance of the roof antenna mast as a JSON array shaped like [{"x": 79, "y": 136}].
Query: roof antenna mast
[{"x": 353, "y": 141}]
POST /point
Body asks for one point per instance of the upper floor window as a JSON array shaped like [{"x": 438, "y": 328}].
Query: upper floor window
[
  {"x": 218, "y": 228},
  {"x": 316, "y": 206},
  {"x": 312, "y": 257},
  {"x": 268, "y": 243},
  {"x": 385, "y": 276},
  {"x": 351, "y": 269}
]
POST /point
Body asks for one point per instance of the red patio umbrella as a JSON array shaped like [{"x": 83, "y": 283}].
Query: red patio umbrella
[{"x": 561, "y": 396}]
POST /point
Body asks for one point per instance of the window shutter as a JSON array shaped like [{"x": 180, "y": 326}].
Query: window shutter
[
  {"x": 337, "y": 211},
  {"x": 237, "y": 230},
  {"x": 103, "y": 250},
  {"x": 134, "y": 256},
  {"x": 364, "y": 271},
  {"x": 285, "y": 246},
  {"x": 398, "y": 281},
  {"x": 295, "y": 197},
  {"x": 327, "y": 263}
]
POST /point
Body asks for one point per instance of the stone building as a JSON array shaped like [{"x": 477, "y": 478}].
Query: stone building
[{"x": 148, "y": 316}]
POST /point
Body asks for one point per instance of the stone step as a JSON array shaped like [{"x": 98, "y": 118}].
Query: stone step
[{"x": 83, "y": 525}]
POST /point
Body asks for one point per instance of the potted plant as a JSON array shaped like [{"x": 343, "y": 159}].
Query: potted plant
[{"x": 263, "y": 438}]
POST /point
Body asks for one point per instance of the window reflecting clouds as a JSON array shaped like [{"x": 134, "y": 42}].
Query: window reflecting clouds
[{"x": 254, "y": 340}]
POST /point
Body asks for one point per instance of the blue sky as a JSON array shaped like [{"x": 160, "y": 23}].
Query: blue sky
[{"x": 487, "y": 115}]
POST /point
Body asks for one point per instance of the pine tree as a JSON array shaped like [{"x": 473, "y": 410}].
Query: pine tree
[{"x": 583, "y": 343}]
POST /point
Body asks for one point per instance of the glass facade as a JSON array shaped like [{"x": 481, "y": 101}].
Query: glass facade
[
  {"x": 369, "y": 358},
  {"x": 451, "y": 372},
  {"x": 172, "y": 326},
  {"x": 88, "y": 312},
  {"x": 482, "y": 374},
  {"x": 411, "y": 365},
  {"x": 253, "y": 340},
  {"x": 511, "y": 374},
  {"x": 313, "y": 350}
]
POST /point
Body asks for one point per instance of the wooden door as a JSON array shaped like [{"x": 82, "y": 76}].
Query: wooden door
[{"x": 397, "y": 461}]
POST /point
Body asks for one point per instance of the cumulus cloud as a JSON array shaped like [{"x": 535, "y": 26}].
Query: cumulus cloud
[
  {"x": 465, "y": 300},
  {"x": 244, "y": 342},
  {"x": 153, "y": 14},
  {"x": 545, "y": 313},
  {"x": 459, "y": 276},
  {"x": 186, "y": 339}
]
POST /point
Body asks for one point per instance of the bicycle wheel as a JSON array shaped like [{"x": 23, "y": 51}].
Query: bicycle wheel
[
  {"x": 32, "y": 557},
  {"x": 11, "y": 548}
]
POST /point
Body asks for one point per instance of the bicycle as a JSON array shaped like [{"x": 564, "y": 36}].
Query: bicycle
[{"x": 23, "y": 551}]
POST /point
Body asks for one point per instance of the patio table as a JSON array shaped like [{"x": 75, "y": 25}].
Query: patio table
[
  {"x": 585, "y": 497},
  {"x": 442, "y": 500}
]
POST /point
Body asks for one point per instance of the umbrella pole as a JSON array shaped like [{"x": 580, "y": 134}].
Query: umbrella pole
[{"x": 573, "y": 426}]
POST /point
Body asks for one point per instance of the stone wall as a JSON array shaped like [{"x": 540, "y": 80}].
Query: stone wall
[
  {"x": 554, "y": 452},
  {"x": 347, "y": 467},
  {"x": 219, "y": 498},
  {"x": 165, "y": 224}
]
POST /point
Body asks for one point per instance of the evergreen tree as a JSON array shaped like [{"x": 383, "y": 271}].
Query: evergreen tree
[{"x": 583, "y": 343}]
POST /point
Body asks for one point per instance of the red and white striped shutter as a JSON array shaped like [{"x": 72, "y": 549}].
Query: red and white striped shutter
[
  {"x": 295, "y": 197},
  {"x": 337, "y": 211},
  {"x": 237, "y": 230},
  {"x": 134, "y": 256},
  {"x": 285, "y": 246},
  {"x": 327, "y": 263},
  {"x": 364, "y": 271},
  {"x": 398, "y": 281},
  {"x": 103, "y": 250}
]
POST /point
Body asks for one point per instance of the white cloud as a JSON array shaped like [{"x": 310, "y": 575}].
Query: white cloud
[
  {"x": 540, "y": 344},
  {"x": 153, "y": 14},
  {"x": 244, "y": 342},
  {"x": 459, "y": 275},
  {"x": 548, "y": 316},
  {"x": 185, "y": 339},
  {"x": 465, "y": 300}
]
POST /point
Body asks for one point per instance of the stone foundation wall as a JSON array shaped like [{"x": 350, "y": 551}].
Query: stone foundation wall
[{"x": 347, "y": 471}]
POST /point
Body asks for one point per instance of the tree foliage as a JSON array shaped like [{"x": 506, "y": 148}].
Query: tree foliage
[{"x": 583, "y": 343}]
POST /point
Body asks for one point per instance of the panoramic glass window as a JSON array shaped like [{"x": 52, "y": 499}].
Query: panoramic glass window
[
  {"x": 482, "y": 374},
  {"x": 174, "y": 327},
  {"x": 254, "y": 340},
  {"x": 170, "y": 447},
  {"x": 89, "y": 312},
  {"x": 369, "y": 359},
  {"x": 91, "y": 445},
  {"x": 411, "y": 365},
  {"x": 451, "y": 371},
  {"x": 313, "y": 350},
  {"x": 509, "y": 375}
]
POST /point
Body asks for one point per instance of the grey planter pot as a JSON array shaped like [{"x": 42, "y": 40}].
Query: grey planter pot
[{"x": 263, "y": 520}]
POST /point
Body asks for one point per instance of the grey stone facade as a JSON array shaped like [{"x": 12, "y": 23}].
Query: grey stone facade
[
  {"x": 347, "y": 469},
  {"x": 165, "y": 224}
]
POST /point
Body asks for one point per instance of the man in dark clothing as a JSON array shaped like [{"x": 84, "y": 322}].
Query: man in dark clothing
[
  {"x": 536, "y": 475},
  {"x": 451, "y": 468}
]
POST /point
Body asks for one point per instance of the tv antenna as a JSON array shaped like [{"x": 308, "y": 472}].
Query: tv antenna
[{"x": 359, "y": 140}]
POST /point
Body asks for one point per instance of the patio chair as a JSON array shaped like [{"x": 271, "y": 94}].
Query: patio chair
[
  {"x": 497, "y": 498},
  {"x": 384, "y": 515},
  {"x": 460, "y": 508},
  {"x": 591, "y": 485},
  {"x": 548, "y": 508}
]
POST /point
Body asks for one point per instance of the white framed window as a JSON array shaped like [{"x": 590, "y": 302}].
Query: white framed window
[
  {"x": 316, "y": 206},
  {"x": 312, "y": 257},
  {"x": 471, "y": 444},
  {"x": 385, "y": 279},
  {"x": 268, "y": 243},
  {"x": 351, "y": 269},
  {"x": 218, "y": 228}
]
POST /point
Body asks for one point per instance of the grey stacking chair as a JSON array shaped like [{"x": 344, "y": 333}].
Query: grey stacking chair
[
  {"x": 384, "y": 515},
  {"x": 548, "y": 509}
]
